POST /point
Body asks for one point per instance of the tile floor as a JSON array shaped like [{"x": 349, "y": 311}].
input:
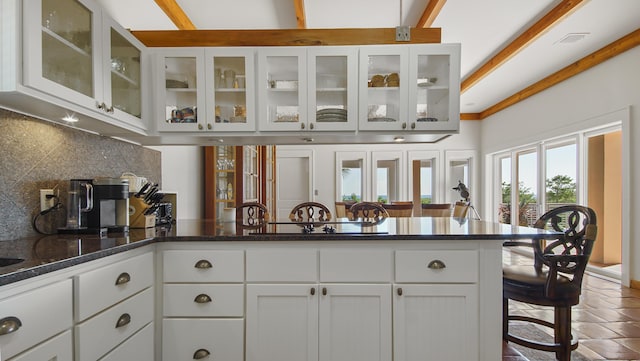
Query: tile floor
[{"x": 607, "y": 319}]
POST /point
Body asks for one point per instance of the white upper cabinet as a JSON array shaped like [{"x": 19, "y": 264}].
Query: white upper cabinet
[
  {"x": 75, "y": 52},
  {"x": 282, "y": 89},
  {"x": 230, "y": 89},
  {"x": 332, "y": 92},
  {"x": 383, "y": 90},
  {"x": 180, "y": 75},
  {"x": 412, "y": 88},
  {"x": 434, "y": 88}
]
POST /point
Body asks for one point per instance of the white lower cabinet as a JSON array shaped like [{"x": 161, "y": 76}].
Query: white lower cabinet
[
  {"x": 59, "y": 348},
  {"x": 28, "y": 318},
  {"x": 440, "y": 321},
  {"x": 138, "y": 347},
  {"x": 103, "y": 332},
  {"x": 197, "y": 339},
  {"x": 338, "y": 309}
]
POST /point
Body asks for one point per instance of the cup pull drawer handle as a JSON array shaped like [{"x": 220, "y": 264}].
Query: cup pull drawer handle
[
  {"x": 123, "y": 320},
  {"x": 9, "y": 325},
  {"x": 200, "y": 354},
  {"x": 203, "y": 264},
  {"x": 202, "y": 298},
  {"x": 436, "y": 264},
  {"x": 123, "y": 278}
]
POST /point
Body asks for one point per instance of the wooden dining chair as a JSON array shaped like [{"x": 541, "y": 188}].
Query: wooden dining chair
[
  {"x": 372, "y": 212},
  {"x": 399, "y": 209},
  {"x": 252, "y": 215},
  {"x": 309, "y": 212},
  {"x": 437, "y": 210},
  {"x": 555, "y": 278}
]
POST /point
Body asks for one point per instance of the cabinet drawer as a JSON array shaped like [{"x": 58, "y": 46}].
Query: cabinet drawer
[
  {"x": 203, "y": 300},
  {"x": 203, "y": 266},
  {"x": 459, "y": 266},
  {"x": 59, "y": 348},
  {"x": 101, "y": 333},
  {"x": 340, "y": 265},
  {"x": 139, "y": 347},
  {"x": 43, "y": 312},
  {"x": 103, "y": 287},
  {"x": 222, "y": 339},
  {"x": 284, "y": 265}
]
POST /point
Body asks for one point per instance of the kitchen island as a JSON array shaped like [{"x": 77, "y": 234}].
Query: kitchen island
[{"x": 404, "y": 289}]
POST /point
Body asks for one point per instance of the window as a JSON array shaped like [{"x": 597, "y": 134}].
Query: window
[{"x": 351, "y": 173}]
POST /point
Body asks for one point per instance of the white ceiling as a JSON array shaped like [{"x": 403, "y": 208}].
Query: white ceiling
[{"x": 482, "y": 27}]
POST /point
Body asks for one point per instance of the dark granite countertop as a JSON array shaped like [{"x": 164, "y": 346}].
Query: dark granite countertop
[{"x": 46, "y": 254}]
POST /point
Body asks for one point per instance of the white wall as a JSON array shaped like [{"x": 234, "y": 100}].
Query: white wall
[
  {"x": 182, "y": 173},
  {"x": 612, "y": 87}
]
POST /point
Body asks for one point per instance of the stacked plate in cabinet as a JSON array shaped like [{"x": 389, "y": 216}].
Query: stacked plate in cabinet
[{"x": 331, "y": 115}]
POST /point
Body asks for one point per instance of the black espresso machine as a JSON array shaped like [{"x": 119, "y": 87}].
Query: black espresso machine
[{"x": 97, "y": 206}]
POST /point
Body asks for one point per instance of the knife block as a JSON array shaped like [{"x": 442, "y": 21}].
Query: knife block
[{"x": 137, "y": 218}]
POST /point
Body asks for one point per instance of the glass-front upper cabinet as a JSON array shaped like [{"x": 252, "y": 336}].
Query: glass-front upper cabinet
[
  {"x": 74, "y": 51},
  {"x": 333, "y": 88},
  {"x": 181, "y": 89},
  {"x": 282, "y": 89},
  {"x": 124, "y": 84},
  {"x": 434, "y": 91},
  {"x": 230, "y": 89},
  {"x": 62, "y": 49},
  {"x": 383, "y": 93}
]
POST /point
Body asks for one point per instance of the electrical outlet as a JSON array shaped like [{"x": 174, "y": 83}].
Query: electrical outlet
[
  {"x": 403, "y": 33},
  {"x": 46, "y": 202}
]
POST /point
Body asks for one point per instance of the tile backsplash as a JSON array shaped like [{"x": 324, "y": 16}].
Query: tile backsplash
[{"x": 37, "y": 154}]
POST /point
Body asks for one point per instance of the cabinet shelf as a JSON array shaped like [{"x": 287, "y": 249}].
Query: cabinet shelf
[
  {"x": 182, "y": 90},
  {"x": 124, "y": 78},
  {"x": 331, "y": 89},
  {"x": 66, "y": 42},
  {"x": 231, "y": 90}
]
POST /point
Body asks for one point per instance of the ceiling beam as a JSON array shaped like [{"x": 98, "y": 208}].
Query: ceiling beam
[
  {"x": 282, "y": 37},
  {"x": 176, "y": 14},
  {"x": 616, "y": 48},
  {"x": 301, "y": 18},
  {"x": 430, "y": 13},
  {"x": 551, "y": 18}
]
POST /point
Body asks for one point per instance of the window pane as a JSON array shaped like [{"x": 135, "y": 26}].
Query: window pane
[
  {"x": 426, "y": 181},
  {"x": 561, "y": 164},
  {"x": 352, "y": 180},
  {"x": 504, "y": 205},
  {"x": 527, "y": 188},
  {"x": 386, "y": 181}
]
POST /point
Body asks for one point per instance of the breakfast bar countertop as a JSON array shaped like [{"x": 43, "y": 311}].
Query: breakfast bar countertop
[{"x": 48, "y": 253}]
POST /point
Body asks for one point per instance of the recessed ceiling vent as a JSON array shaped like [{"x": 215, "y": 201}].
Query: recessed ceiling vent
[{"x": 572, "y": 38}]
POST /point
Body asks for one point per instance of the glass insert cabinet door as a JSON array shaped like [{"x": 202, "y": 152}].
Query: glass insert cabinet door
[
  {"x": 61, "y": 51},
  {"x": 182, "y": 93},
  {"x": 332, "y": 88},
  {"x": 282, "y": 88},
  {"x": 124, "y": 68},
  {"x": 383, "y": 93},
  {"x": 434, "y": 71},
  {"x": 230, "y": 89}
]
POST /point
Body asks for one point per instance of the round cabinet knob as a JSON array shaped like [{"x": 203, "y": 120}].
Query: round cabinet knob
[
  {"x": 404, "y": 125},
  {"x": 311, "y": 126},
  {"x": 201, "y": 354},
  {"x": 209, "y": 126},
  {"x": 123, "y": 278},
  {"x": 9, "y": 325},
  {"x": 313, "y": 291},
  {"x": 202, "y": 298},
  {"x": 301, "y": 125},
  {"x": 110, "y": 110},
  {"x": 100, "y": 105},
  {"x": 436, "y": 264},
  {"x": 413, "y": 125},
  {"x": 203, "y": 264},
  {"x": 399, "y": 291},
  {"x": 324, "y": 291},
  {"x": 200, "y": 127}
]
